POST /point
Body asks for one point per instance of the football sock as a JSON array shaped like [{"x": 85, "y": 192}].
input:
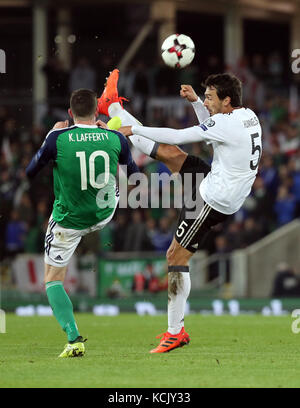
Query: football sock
[
  {"x": 115, "y": 109},
  {"x": 147, "y": 146},
  {"x": 179, "y": 286},
  {"x": 62, "y": 308}
]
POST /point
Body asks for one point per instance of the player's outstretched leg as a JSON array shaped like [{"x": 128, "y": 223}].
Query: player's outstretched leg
[
  {"x": 110, "y": 104},
  {"x": 179, "y": 285},
  {"x": 63, "y": 310}
]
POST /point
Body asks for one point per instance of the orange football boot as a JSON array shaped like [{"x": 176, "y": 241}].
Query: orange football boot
[
  {"x": 110, "y": 93},
  {"x": 171, "y": 341}
]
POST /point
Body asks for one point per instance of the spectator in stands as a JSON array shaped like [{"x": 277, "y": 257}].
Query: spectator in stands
[
  {"x": 260, "y": 205},
  {"x": 286, "y": 282},
  {"x": 10, "y": 131},
  {"x": 119, "y": 231},
  {"x": 34, "y": 238},
  {"x": 233, "y": 235},
  {"x": 151, "y": 227},
  {"x": 278, "y": 156},
  {"x": 152, "y": 283},
  {"x": 115, "y": 291},
  {"x": 285, "y": 206},
  {"x": 269, "y": 174},
  {"x": 15, "y": 234},
  {"x": 290, "y": 144},
  {"x": 221, "y": 267},
  {"x": 138, "y": 283},
  {"x": 42, "y": 212},
  {"x": 172, "y": 215},
  {"x": 7, "y": 186},
  {"x": 136, "y": 238},
  {"x": 294, "y": 170},
  {"x": 278, "y": 111},
  {"x": 25, "y": 208},
  {"x": 251, "y": 232},
  {"x": 163, "y": 237}
]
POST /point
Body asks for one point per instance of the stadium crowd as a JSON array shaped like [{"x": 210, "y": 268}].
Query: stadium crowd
[{"x": 273, "y": 202}]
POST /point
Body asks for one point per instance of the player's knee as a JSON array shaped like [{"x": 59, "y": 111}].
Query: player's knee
[
  {"x": 169, "y": 152},
  {"x": 53, "y": 273},
  {"x": 178, "y": 256},
  {"x": 169, "y": 255},
  {"x": 173, "y": 256},
  {"x": 172, "y": 156}
]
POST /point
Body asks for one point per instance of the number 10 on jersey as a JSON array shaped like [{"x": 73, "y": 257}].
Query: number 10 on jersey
[{"x": 92, "y": 176}]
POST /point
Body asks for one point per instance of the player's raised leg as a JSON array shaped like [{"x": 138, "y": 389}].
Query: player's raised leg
[{"x": 111, "y": 104}]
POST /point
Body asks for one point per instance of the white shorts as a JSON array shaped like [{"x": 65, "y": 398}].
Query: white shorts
[{"x": 60, "y": 242}]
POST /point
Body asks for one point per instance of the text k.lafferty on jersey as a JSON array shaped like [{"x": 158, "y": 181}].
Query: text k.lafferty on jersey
[
  {"x": 236, "y": 141},
  {"x": 85, "y": 159}
]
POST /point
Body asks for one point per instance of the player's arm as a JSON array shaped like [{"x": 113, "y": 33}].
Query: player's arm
[
  {"x": 187, "y": 92},
  {"x": 125, "y": 156},
  {"x": 211, "y": 130},
  {"x": 46, "y": 153}
]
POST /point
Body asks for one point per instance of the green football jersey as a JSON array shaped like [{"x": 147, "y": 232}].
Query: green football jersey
[{"x": 85, "y": 169}]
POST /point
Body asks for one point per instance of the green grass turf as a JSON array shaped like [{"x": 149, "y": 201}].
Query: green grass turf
[{"x": 225, "y": 351}]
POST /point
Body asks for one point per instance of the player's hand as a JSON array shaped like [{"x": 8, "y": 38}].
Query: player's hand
[
  {"x": 188, "y": 93},
  {"x": 126, "y": 130},
  {"x": 101, "y": 124},
  {"x": 61, "y": 125}
]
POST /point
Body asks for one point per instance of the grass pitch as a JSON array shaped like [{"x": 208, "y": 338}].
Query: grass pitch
[{"x": 225, "y": 351}]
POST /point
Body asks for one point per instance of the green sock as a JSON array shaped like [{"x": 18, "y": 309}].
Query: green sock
[{"x": 62, "y": 308}]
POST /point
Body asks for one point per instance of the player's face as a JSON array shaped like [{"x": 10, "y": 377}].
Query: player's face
[{"x": 212, "y": 102}]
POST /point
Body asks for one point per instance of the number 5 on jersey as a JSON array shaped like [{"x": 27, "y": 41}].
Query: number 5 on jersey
[
  {"x": 92, "y": 177},
  {"x": 255, "y": 148},
  {"x": 181, "y": 229}
]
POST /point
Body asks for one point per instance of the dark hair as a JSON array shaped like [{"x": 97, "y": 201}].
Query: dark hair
[
  {"x": 83, "y": 103},
  {"x": 226, "y": 85}
]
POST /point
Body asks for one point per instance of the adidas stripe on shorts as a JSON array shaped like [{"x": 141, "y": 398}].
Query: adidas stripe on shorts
[
  {"x": 60, "y": 242},
  {"x": 191, "y": 232}
]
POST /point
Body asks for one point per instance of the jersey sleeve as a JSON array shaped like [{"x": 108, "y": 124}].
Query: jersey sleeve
[
  {"x": 200, "y": 110},
  {"x": 211, "y": 130},
  {"x": 46, "y": 153},
  {"x": 125, "y": 156}
]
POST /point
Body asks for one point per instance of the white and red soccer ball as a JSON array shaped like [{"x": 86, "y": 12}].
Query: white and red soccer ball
[{"x": 178, "y": 50}]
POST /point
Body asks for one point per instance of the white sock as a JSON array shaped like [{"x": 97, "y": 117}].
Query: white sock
[
  {"x": 147, "y": 146},
  {"x": 115, "y": 109},
  {"x": 178, "y": 292}
]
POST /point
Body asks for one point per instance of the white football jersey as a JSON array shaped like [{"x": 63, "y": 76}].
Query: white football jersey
[{"x": 236, "y": 141}]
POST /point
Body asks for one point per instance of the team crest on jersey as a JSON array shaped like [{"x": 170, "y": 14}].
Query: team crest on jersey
[{"x": 209, "y": 122}]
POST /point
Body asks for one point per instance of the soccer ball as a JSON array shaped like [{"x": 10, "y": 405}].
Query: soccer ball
[{"x": 178, "y": 50}]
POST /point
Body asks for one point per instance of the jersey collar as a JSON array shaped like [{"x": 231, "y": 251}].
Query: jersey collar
[{"x": 81, "y": 125}]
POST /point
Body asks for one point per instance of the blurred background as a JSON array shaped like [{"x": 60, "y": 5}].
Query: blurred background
[{"x": 50, "y": 48}]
